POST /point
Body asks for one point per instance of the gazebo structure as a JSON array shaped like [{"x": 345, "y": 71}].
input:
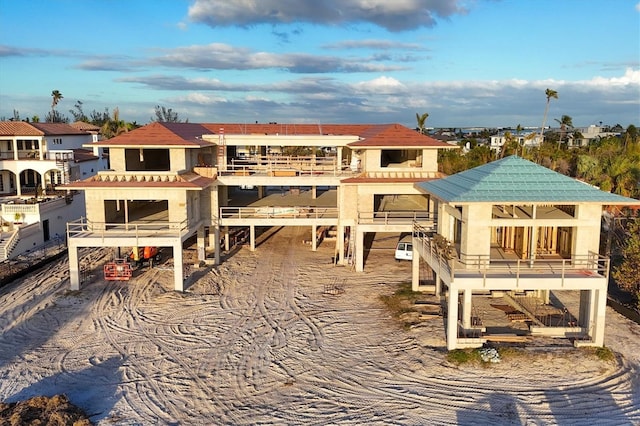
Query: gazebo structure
[{"x": 514, "y": 227}]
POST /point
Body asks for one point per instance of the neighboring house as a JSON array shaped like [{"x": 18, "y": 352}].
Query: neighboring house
[
  {"x": 34, "y": 159},
  {"x": 516, "y": 227},
  {"x": 171, "y": 181},
  {"x": 589, "y": 134},
  {"x": 527, "y": 138}
]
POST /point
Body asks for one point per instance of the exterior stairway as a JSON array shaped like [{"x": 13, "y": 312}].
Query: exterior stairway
[{"x": 8, "y": 241}]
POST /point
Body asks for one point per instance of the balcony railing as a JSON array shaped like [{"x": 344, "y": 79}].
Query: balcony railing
[
  {"x": 396, "y": 217},
  {"x": 483, "y": 266},
  {"x": 285, "y": 166},
  {"x": 85, "y": 228},
  {"x": 298, "y": 212}
]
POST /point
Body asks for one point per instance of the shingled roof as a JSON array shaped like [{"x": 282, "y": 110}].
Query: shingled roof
[{"x": 516, "y": 180}]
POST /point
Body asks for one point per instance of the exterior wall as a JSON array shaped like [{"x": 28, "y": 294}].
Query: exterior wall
[
  {"x": 370, "y": 159},
  {"x": 116, "y": 159},
  {"x": 586, "y": 235},
  {"x": 476, "y": 230},
  {"x": 430, "y": 160},
  {"x": 348, "y": 202},
  {"x": 178, "y": 158},
  {"x": 65, "y": 142}
]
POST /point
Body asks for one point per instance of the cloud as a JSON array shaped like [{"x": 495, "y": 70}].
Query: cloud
[
  {"x": 385, "y": 99},
  {"x": 374, "y": 44},
  {"x": 397, "y": 15},
  {"x": 220, "y": 56}
]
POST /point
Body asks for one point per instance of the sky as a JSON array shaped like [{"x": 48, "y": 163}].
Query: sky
[{"x": 466, "y": 63}]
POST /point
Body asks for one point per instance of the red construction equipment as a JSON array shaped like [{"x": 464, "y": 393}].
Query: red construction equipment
[
  {"x": 117, "y": 270},
  {"x": 140, "y": 255}
]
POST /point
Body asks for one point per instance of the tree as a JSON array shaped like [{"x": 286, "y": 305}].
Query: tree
[
  {"x": 565, "y": 122},
  {"x": 422, "y": 119},
  {"x": 57, "y": 96},
  {"x": 54, "y": 116},
  {"x": 550, "y": 94},
  {"x": 114, "y": 126},
  {"x": 166, "y": 115},
  {"x": 78, "y": 114},
  {"x": 626, "y": 274}
]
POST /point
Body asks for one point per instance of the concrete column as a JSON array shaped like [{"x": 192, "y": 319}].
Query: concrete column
[
  {"x": 200, "y": 243},
  {"x": 226, "y": 238},
  {"x": 585, "y": 310},
  {"x": 600, "y": 308},
  {"x": 314, "y": 239},
  {"x": 452, "y": 318},
  {"x": 340, "y": 245},
  {"x": 339, "y": 159},
  {"x": 359, "y": 250},
  {"x": 217, "y": 248},
  {"x": 314, "y": 192},
  {"x": 438, "y": 283},
  {"x": 252, "y": 238},
  {"x": 178, "y": 265},
  {"x": 415, "y": 269},
  {"x": 261, "y": 191},
  {"x": 74, "y": 266},
  {"x": 466, "y": 308}
]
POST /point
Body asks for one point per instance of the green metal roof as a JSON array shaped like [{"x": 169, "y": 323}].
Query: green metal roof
[{"x": 513, "y": 179}]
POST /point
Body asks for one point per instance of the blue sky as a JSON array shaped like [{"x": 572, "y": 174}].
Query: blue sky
[{"x": 465, "y": 62}]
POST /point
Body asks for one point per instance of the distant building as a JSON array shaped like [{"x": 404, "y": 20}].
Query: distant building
[
  {"x": 34, "y": 159},
  {"x": 589, "y": 134},
  {"x": 527, "y": 138}
]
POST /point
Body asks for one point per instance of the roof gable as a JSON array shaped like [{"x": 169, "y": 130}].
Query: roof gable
[{"x": 513, "y": 179}]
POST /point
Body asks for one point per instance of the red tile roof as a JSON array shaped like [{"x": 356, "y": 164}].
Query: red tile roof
[
  {"x": 58, "y": 129},
  {"x": 189, "y": 134},
  {"x": 87, "y": 127},
  {"x": 18, "y": 128},
  {"x": 161, "y": 134}
]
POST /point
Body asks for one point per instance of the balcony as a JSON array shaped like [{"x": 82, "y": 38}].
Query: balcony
[{"x": 492, "y": 273}]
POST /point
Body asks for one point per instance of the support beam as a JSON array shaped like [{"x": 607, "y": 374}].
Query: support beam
[
  {"x": 314, "y": 238},
  {"x": 217, "y": 247},
  {"x": 597, "y": 333},
  {"x": 466, "y": 308},
  {"x": 178, "y": 267},
  {"x": 415, "y": 269},
  {"x": 359, "y": 250},
  {"x": 252, "y": 238},
  {"x": 74, "y": 266},
  {"x": 452, "y": 318},
  {"x": 200, "y": 243},
  {"x": 340, "y": 245}
]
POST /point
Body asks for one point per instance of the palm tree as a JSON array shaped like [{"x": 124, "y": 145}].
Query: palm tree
[
  {"x": 550, "y": 94},
  {"x": 114, "y": 126},
  {"x": 421, "y": 121},
  {"x": 564, "y": 122},
  {"x": 56, "y": 95}
]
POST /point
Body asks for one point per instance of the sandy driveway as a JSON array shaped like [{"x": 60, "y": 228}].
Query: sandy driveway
[{"x": 258, "y": 340}]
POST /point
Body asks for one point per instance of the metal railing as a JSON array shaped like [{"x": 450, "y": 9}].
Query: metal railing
[
  {"x": 396, "y": 216},
  {"x": 298, "y": 212},
  {"x": 449, "y": 262},
  {"x": 285, "y": 166},
  {"x": 85, "y": 228}
]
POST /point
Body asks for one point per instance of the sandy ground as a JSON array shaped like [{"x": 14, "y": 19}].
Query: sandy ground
[{"x": 259, "y": 341}]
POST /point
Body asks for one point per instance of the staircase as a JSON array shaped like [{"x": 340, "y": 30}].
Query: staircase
[{"x": 8, "y": 241}]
